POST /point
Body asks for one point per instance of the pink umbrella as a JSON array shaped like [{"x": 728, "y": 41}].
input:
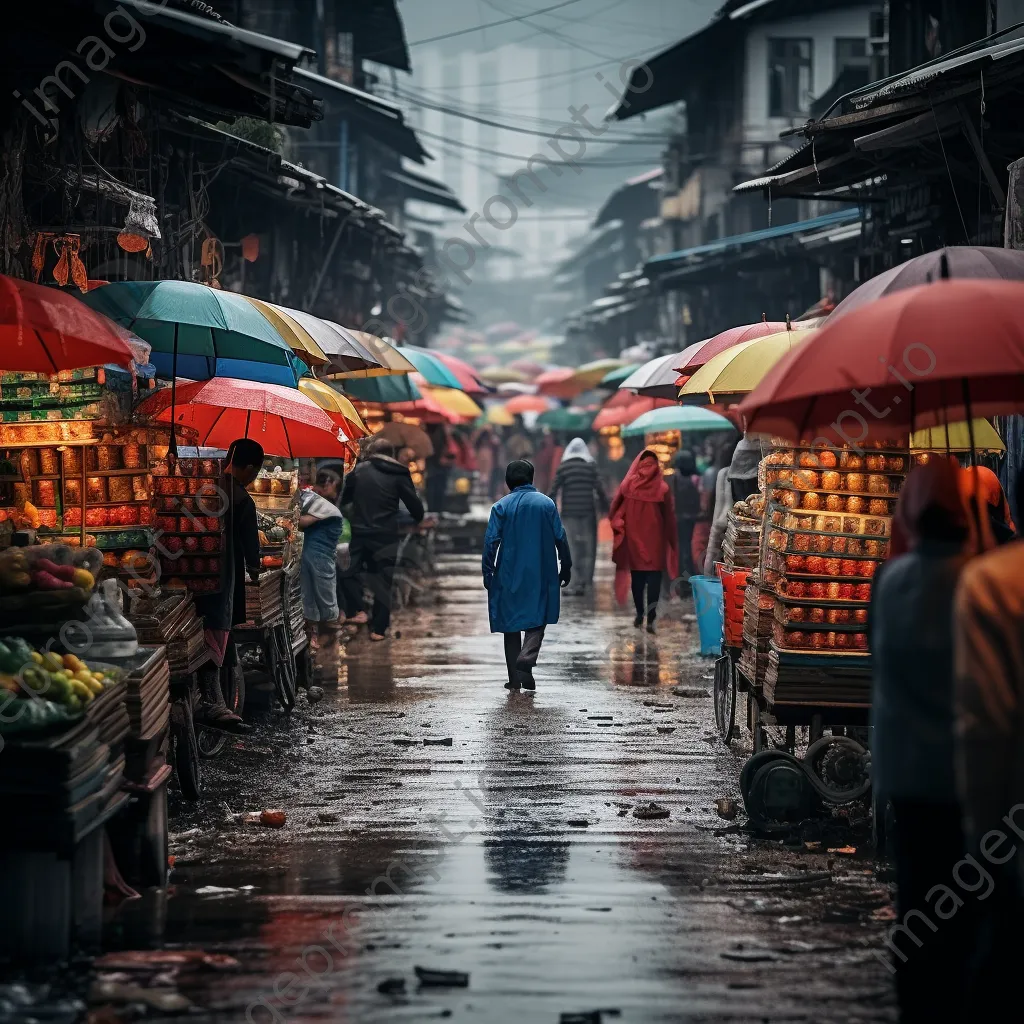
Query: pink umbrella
[
  {"x": 464, "y": 373},
  {"x": 694, "y": 357},
  {"x": 528, "y": 403}
]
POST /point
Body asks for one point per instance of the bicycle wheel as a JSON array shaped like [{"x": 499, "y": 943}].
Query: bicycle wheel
[
  {"x": 283, "y": 666},
  {"x": 725, "y": 697},
  {"x": 185, "y": 750}
]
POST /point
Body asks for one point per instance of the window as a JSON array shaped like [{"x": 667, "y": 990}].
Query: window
[
  {"x": 789, "y": 77},
  {"x": 850, "y": 53}
]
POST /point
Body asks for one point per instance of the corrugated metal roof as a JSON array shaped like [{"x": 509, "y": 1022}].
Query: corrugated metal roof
[{"x": 927, "y": 72}]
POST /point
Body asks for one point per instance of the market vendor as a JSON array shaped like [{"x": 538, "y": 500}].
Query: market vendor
[
  {"x": 223, "y": 610},
  {"x": 320, "y": 521}
]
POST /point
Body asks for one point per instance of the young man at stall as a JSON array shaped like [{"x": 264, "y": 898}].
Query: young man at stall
[
  {"x": 223, "y": 610},
  {"x": 521, "y": 571},
  {"x": 320, "y": 522}
]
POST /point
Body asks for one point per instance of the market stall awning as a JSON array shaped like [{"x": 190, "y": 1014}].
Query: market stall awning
[
  {"x": 679, "y": 262},
  {"x": 425, "y": 190},
  {"x": 384, "y": 121}
]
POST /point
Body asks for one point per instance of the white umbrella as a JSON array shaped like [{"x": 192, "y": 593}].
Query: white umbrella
[{"x": 655, "y": 379}]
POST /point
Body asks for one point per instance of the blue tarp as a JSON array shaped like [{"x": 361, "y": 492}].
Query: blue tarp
[{"x": 839, "y": 217}]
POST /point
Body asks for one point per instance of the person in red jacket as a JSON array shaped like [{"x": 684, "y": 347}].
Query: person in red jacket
[{"x": 643, "y": 521}]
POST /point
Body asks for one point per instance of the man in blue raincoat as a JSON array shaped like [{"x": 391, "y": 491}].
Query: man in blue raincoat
[{"x": 521, "y": 571}]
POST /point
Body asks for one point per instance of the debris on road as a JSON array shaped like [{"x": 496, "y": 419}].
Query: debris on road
[
  {"x": 726, "y": 807},
  {"x": 666, "y": 728},
  {"x": 273, "y": 818},
  {"x": 327, "y": 817},
  {"x": 587, "y": 1016},
  {"x": 315, "y": 694},
  {"x": 578, "y": 823},
  {"x": 391, "y": 986},
  {"x": 442, "y": 979},
  {"x": 650, "y": 811},
  {"x": 690, "y": 691},
  {"x": 446, "y": 742}
]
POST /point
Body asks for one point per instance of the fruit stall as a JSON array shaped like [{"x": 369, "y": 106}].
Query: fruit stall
[
  {"x": 803, "y": 654},
  {"x": 272, "y": 642}
]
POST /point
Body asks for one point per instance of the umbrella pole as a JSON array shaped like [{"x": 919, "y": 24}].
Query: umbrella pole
[
  {"x": 174, "y": 386},
  {"x": 974, "y": 457}
]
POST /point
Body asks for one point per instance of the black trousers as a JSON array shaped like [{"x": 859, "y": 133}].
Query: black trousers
[
  {"x": 931, "y": 981},
  {"x": 646, "y": 587},
  {"x": 684, "y": 529},
  {"x": 522, "y": 650},
  {"x": 371, "y": 564}
]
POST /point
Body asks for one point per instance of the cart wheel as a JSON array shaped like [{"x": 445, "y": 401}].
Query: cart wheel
[
  {"x": 185, "y": 750},
  {"x": 283, "y": 667},
  {"x": 210, "y": 741},
  {"x": 725, "y": 697},
  {"x": 758, "y": 734}
]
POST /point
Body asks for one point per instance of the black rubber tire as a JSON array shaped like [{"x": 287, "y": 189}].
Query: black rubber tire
[
  {"x": 754, "y": 764},
  {"x": 185, "y": 751},
  {"x": 725, "y": 697}
]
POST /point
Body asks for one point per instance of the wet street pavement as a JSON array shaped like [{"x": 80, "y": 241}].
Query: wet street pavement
[{"x": 435, "y": 820}]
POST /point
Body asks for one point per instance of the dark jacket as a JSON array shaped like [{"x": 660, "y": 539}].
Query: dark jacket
[
  {"x": 580, "y": 487},
  {"x": 911, "y": 635},
  {"x": 373, "y": 490},
  {"x": 241, "y": 551}
]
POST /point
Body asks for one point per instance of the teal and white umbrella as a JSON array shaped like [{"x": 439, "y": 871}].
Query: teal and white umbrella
[{"x": 689, "y": 419}]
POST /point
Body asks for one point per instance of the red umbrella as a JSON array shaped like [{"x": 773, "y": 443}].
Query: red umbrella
[
  {"x": 527, "y": 403},
  {"x": 624, "y": 407},
  {"x": 464, "y": 373},
  {"x": 283, "y": 420},
  {"x": 922, "y": 357},
  {"x": 43, "y": 330},
  {"x": 694, "y": 357},
  {"x": 557, "y": 383}
]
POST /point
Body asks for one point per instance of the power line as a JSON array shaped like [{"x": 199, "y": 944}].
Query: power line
[
  {"x": 519, "y": 158},
  {"x": 453, "y": 112},
  {"x": 492, "y": 24},
  {"x": 553, "y": 33}
]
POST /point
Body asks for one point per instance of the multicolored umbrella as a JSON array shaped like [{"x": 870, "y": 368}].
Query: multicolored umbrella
[
  {"x": 199, "y": 332},
  {"x": 283, "y": 420},
  {"x": 343, "y": 351},
  {"x": 336, "y": 405},
  {"x": 694, "y": 357},
  {"x": 502, "y": 375},
  {"x": 654, "y": 379},
  {"x": 43, "y": 330},
  {"x": 733, "y": 374}
]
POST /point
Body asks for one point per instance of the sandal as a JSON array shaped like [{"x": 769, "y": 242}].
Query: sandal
[{"x": 377, "y": 637}]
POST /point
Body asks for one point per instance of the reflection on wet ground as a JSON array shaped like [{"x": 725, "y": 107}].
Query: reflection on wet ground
[{"x": 512, "y": 853}]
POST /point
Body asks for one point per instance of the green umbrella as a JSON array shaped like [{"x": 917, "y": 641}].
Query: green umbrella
[
  {"x": 433, "y": 371},
  {"x": 381, "y": 390},
  {"x": 614, "y": 378},
  {"x": 569, "y": 420},
  {"x": 677, "y": 417},
  {"x": 199, "y": 332}
]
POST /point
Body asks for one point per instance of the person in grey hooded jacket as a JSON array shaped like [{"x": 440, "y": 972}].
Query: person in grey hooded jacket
[{"x": 736, "y": 482}]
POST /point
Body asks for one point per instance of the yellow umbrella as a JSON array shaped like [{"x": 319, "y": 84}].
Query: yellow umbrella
[
  {"x": 331, "y": 401},
  {"x": 390, "y": 358},
  {"x": 457, "y": 402},
  {"x": 502, "y": 375},
  {"x": 300, "y": 340},
  {"x": 738, "y": 370},
  {"x": 986, "y": 439},
  {"x": 499, "y": 416}
]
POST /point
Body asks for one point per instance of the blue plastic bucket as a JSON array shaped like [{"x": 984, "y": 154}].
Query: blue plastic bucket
[{"x": 709, "y": 605}]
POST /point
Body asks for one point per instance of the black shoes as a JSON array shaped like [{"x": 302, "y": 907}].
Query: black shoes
[
  {"x": 511, "y": 686},
  {"x": 526, "y": 675}
]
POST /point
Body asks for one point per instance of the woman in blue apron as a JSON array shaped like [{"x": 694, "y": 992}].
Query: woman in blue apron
[{"x": 320, "y": 521}]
